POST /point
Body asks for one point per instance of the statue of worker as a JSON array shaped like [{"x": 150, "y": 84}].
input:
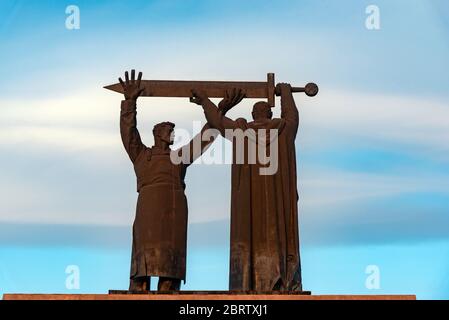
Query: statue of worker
[{"x": 160, "y": 226}]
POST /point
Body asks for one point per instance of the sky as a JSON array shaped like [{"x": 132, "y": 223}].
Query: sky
[{"x": 372, "y": 151}]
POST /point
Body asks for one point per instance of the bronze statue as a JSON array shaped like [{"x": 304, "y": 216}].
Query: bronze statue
[
  {"x": 160, "y": 226},
  {"x": 264, "y": 212}
]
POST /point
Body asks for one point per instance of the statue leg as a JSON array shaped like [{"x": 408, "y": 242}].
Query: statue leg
[
  {"x": 296, "y": 284},
  {"x": 168, "y": 284},
  {"x": 140, "y": 284},
  {"x": 279, "y": 286}
]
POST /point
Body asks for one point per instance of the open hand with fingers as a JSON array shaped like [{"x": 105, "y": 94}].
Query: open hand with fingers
[
  {"x": 131, "y": 87},
  {"x": 232, "y": 98}
]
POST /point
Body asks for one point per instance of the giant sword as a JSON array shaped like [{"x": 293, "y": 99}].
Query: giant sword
[{"x": 215, "y": 89}]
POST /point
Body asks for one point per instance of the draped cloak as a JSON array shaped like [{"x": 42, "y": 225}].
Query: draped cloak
[
  {"x": 264, "y": 249},
  {"x": 160, "y": 225}
]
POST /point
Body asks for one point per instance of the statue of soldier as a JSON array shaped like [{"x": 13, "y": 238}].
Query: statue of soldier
[{"x": 264, "y": 253}]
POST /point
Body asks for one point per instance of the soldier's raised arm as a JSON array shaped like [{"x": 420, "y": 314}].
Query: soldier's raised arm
[
  {"x": 289, "y": 111},
  {"x": 128, "y": 115}
]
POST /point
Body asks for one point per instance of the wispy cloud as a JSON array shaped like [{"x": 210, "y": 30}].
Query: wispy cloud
[{"x": 412, "y": 123}]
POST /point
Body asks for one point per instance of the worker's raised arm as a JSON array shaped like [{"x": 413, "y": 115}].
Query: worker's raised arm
[
  {"x": 128, "y": 116},
  {"x": 289, "y": 111},
  {"x": 198, "y": 145},
  {"x": 216, "y": 120},
  {"x": 215, "y": 116}
]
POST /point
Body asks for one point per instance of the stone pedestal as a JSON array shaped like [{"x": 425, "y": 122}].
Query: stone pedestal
[{"x": 202, "y": 295}]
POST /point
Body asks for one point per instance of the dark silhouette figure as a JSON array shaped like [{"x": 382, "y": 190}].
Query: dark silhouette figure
[
  {"x": 160, "y": 226},
  {"x": 264, "y": 213}
]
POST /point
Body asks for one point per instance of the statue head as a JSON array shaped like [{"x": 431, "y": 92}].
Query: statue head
[
  {"x": 164, "y": 132},
  {"x": 262, "y": 111}
]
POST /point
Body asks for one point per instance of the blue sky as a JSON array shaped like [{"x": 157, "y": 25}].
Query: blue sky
[{"x": 372, "y": 147}]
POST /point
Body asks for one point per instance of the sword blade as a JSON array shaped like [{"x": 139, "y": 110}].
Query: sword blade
[{"x": 183, "y": 89}]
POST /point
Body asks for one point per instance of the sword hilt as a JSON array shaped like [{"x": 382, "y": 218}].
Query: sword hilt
[{"x": 311, "y": 89}]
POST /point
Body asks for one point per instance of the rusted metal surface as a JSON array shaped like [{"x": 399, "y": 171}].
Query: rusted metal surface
[
  {"x": 264, "y": 250},
  {"x": 214, "y": 89}
]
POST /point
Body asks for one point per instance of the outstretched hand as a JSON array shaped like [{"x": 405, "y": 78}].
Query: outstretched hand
[
  {"x": 232, "y": 98},
  {"x": 198, "y": 97},
  {"x": 131, "y": 88}
]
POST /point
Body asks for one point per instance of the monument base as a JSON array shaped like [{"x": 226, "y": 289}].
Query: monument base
[{"x": 203, "y": 295}]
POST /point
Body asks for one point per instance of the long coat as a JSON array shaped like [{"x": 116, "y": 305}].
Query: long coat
[
  {"x": 264, "y": 253},
  {"x": 160, "y": 226}
]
